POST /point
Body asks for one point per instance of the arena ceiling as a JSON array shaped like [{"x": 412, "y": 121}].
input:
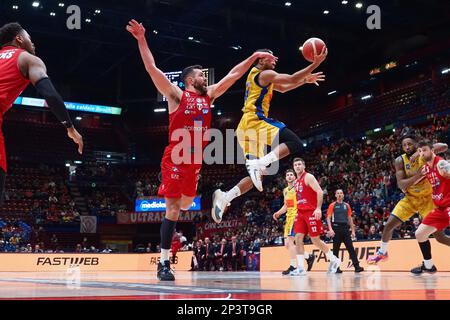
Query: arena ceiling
[{"x": 100, "y": 62}]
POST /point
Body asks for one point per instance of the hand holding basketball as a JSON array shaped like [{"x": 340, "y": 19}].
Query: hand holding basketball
[
  {"x": 314, "y": 50},
  {"x": 136, "y": 29}
]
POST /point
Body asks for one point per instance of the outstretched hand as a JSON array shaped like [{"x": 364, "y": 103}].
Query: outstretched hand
[
  {"x": 315, "y": 78},
  {"x": 136, "y": 29},
  {"x": 77, "y": 138}
]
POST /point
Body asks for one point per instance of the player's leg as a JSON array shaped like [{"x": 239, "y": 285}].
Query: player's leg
[
  {"x": 249, "y": 144},
  {"x": 167, "y": 228},
  {"x": 351, "y": 250},
  {"x": 300, "y": 248},
  {"x": 436, "y": 220},
  {"x": 290, "y": 247},
  {"x": 401, "y": 213},
  {"x": 337, "y": 241},
  {"x": 335, "y": 262},
  {"x": 288, "y": 143},
  {"x": 221, "y": 200}
]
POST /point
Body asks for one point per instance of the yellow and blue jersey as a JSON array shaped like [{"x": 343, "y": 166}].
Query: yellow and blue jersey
[{"x": 256, "y": 129}]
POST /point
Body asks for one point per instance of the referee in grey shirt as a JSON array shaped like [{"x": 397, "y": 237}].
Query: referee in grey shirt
[{"x": 339, "y": 219}]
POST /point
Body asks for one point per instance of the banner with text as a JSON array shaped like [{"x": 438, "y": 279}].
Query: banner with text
[
  {"x": 150, "y": 217},
  {"x": 159, "y": 205},
  {"x": 403, "y": 255},
  {"x": 210, "y": 228}
]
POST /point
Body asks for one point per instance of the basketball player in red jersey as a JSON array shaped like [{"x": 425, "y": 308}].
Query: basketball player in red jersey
[
  {"x": 309, "y": 215},
  {"x": 19, "y": 66},
  {"x": 437, "y": 171},
  {"x": 189, "y": 111}
]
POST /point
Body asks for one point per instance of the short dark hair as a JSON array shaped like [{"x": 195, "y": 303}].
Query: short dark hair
[
  {"x": 8, "y": 32},
  {"x": 188, "y": 70},
  {"x": 426, "y": 143},
  {"x": 262, "y": 50},
  {"x": 290, "y": 170},
  {"x": 298, "y": 159},
  {"x": 407, "y": 134}
]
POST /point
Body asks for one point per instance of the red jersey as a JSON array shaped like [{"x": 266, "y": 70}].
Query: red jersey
[
  {"x": 187, "y": 128},
  {"x": 441, "y": 185},
  {"x": 12, "y": 82},
  {"x": 306, "y": 196}
]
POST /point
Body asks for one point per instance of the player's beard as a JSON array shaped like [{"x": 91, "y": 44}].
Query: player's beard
[{"x": 200, "y": 87}]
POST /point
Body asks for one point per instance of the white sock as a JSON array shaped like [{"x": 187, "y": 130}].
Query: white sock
[
  {"x": 294, "y": 263},
  {"x": 268, "y": 158},
  {"x": 384, "y": 247},
  {"x": 300, "y": 258},
  {"x": 164, "y": 255},
  {"x": 428, "y": 263},
  {"x": 306, "y": 254},
  {"x": 233, "y": 193}
]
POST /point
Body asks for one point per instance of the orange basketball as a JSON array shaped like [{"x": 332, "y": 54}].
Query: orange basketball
[{"x": 311, "y": 47}]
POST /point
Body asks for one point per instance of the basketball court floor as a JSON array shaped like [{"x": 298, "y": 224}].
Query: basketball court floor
[{"x": 75, "y": 285}]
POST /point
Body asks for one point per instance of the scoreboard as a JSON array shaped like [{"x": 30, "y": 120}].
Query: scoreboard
[{"x": 175, "y": 78}]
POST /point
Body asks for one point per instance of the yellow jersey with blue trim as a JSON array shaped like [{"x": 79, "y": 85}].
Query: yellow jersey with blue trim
[
  {"x": 290, "y": 199},
  {"x": 257, "y": 98},
  {"x": 422, "y": 188}
]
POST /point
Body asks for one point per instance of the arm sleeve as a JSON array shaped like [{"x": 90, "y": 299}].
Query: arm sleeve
[
  {"x": 54, "y": 101},
  {"x": 350, "y": 212},
  {"x": 330, "y": 210}
]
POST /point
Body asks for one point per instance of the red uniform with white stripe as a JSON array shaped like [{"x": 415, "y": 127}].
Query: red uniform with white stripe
[
  {"x": 440, "y": 216},
  {"x": 187, "y": 127},
  {"x": 305, "y": 222},
  {"x": 12, "y": 83}
]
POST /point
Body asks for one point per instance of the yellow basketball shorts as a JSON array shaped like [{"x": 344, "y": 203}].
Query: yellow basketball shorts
[
  {"x": 255, "y": 131},
  {"x": 289, "y": 226},
  {"x": 408, "y": 206}
]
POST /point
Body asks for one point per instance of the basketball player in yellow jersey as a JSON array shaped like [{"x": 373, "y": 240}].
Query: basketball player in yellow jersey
[
  {"x": 256, "y": 129},
  {"x": 417, "y": 190},
  {"x": 290, "y": 208}
]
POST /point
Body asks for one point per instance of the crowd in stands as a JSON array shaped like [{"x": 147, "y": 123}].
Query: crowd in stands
[{"x": 363, "y": 168}]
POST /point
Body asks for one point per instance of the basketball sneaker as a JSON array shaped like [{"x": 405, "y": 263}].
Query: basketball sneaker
[
  {"x": 297, "y": 272},
  {"x": 288, "y": 270},
  {"x": 219, "y": 205},
  {"x": 254, "y": 169},
  {"x": 310, "y": 261},
  {"x": 379, "y": 256},
  {"x": 421, "y": 269},
  {"x": 164, "y": 272},
  {"x": 335, "y": 263}
]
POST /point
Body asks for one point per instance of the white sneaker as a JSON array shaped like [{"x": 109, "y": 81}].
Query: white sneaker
[
  {"x": 335, "y": 263},
  {"x": 219, "y": 204},
  {"x": 297, "y": 272},
  {"x": 254, "y": 169}
]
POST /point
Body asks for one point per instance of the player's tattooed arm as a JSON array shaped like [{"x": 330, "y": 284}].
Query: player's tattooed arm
[
  {"x": 440, "y": 148},
  {"x": 444, "y": 168}
]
